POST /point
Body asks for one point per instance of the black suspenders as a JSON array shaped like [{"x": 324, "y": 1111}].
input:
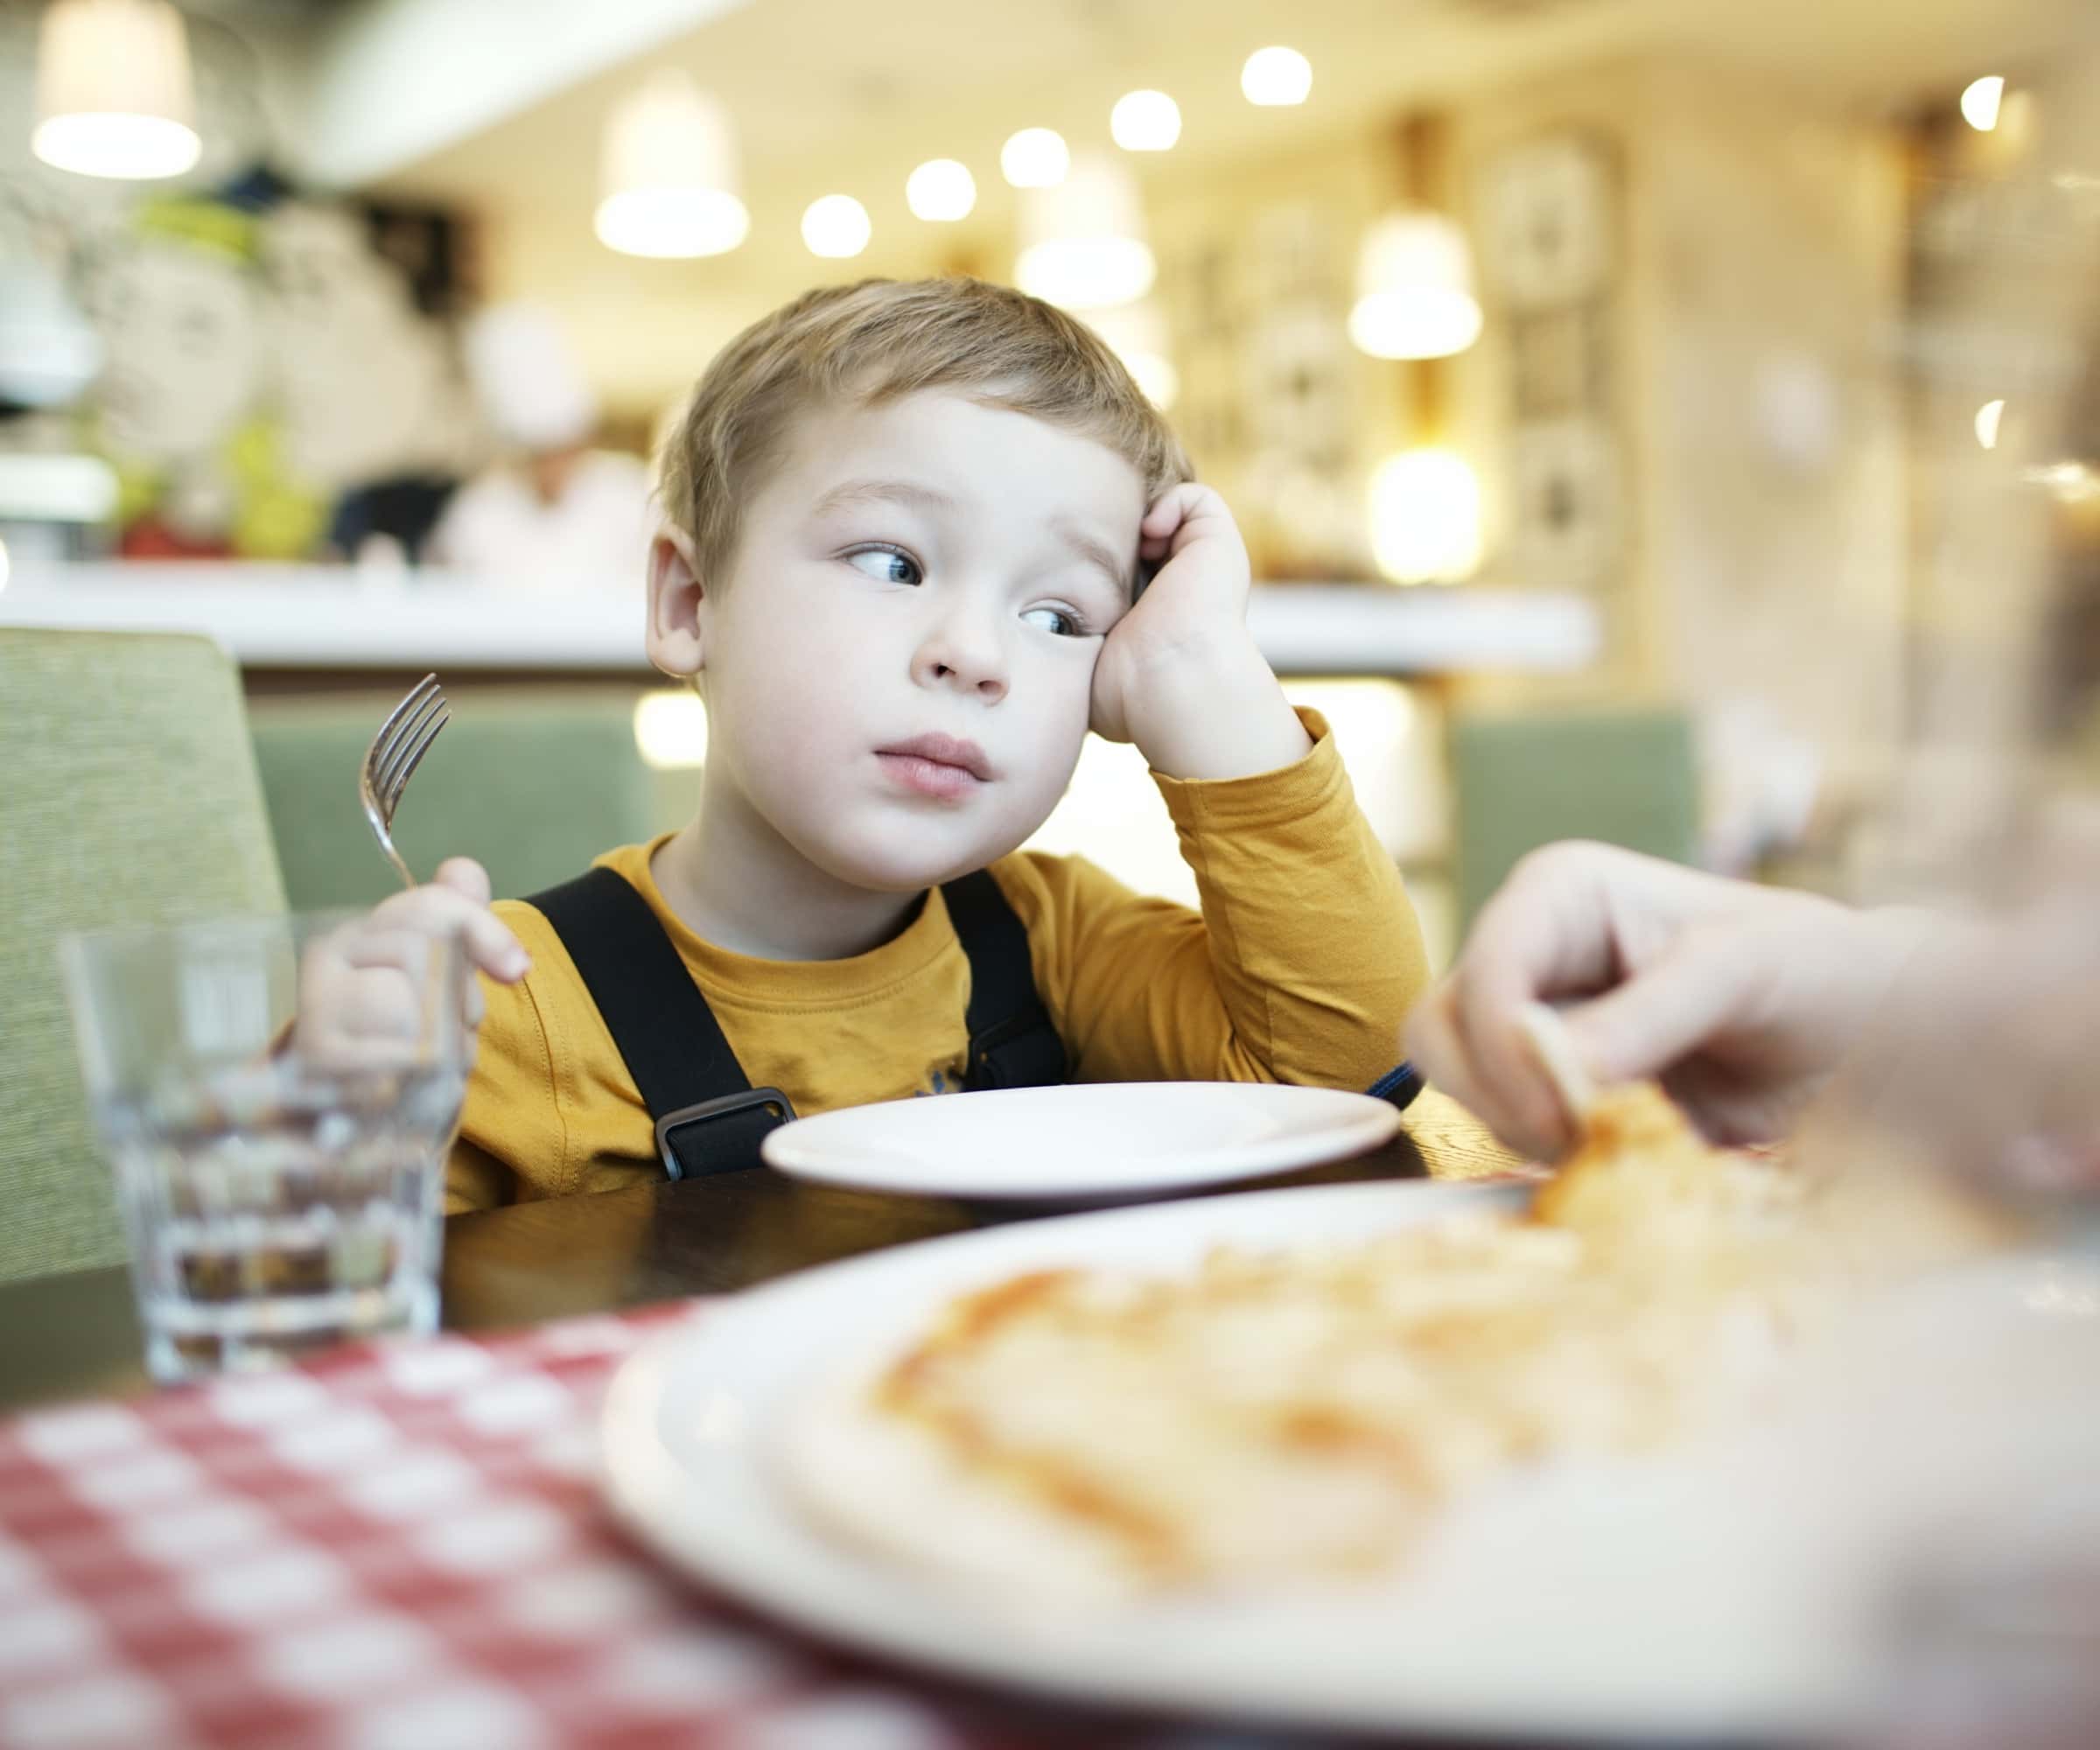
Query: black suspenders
[
  {"x": 1011, "y": 1042},
  {"x": 709, "y": 1117}
]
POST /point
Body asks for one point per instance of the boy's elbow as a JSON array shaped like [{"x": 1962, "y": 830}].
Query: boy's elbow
[{"x": 1349, "y": 1048}]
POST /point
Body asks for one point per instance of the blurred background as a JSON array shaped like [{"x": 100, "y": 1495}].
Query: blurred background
[{"x": 1597, "y": 382}]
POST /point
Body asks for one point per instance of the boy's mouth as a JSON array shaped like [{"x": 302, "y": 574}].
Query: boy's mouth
[{"x": 936, "y": 765}]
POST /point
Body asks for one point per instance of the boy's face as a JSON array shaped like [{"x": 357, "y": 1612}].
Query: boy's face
[{"x": 899, "y": 663}]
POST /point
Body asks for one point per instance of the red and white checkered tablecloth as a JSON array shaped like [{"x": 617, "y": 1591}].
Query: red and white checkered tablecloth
[{"x": 401, "y": 1548}]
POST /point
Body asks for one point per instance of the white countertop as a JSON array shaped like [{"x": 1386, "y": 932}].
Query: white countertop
[{"x": 320, "y": 617}]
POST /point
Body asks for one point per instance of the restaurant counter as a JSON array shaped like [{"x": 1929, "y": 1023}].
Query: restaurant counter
[{"x": 307, "y": 626}]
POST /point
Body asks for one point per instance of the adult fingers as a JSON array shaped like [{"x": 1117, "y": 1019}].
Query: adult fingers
[
  {"x": 1438, "y": 1046},
  {"x": 1549, "y": 931},
  {"x": 1699, "y": 987}
]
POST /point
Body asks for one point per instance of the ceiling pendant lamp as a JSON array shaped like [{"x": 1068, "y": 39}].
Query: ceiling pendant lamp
[
  {"x": 1136, "y": 334},
  {"x": 671, "y": 174},
  {"x": 114, "y": 97},
  {"x": 1414, "y": 289},
  {"x": 1415, "y": 297},
  {"x": 1082, "y": 241}
]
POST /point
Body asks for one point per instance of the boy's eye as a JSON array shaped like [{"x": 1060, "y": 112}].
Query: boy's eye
[
  {"x": 885, "y": 566},
  {"x": 1065, "y": 625}
]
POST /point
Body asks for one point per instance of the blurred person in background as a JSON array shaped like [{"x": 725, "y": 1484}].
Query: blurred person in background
[{"x": 553, "y": 512}]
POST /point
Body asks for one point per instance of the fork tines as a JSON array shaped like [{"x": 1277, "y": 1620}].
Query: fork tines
[{"x": 406, "y": 736}]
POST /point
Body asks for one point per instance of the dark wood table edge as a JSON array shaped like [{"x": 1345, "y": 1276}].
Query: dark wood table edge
[{"x": 76, "y": 1334}]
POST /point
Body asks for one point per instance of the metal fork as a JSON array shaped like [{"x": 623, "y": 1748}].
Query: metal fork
[{"x": 391, "y": 761}]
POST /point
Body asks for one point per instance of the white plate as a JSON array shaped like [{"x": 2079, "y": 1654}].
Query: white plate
[
  {"x": 1673, "y": 1599},
  {"x": 1100, "y": 1141}
]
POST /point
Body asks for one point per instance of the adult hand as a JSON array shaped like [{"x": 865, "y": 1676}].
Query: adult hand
[{"x": 1742, "y": 1000}]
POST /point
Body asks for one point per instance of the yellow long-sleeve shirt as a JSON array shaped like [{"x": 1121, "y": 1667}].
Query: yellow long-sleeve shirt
[{"x": 1300, "y": 967}]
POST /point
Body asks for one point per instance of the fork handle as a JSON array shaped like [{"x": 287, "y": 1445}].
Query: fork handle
[{"x": 400, "y": 868}]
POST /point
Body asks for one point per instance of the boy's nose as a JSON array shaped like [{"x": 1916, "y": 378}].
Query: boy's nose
[{"x": 964, "y": 651}]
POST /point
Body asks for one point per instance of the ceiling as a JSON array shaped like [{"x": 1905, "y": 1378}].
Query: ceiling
[
  {"x": 837, "y": 95},
  {"x": 497, "y": 106}
]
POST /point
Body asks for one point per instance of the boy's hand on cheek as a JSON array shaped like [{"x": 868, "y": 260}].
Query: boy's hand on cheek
[{"x": 1179, "y": 674}]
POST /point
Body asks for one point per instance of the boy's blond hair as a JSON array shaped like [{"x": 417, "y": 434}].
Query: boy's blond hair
[{"x": 880, "y": 339}]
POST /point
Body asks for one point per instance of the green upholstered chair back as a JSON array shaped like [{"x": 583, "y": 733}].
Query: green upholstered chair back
[
  {"x": 531, "y": 783},
  {"x": 1524, "y": 780},
  {"x": 127, "y": 796}
]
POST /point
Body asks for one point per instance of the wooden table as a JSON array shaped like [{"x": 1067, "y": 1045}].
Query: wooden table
[{"x": 77, "y": 1335}]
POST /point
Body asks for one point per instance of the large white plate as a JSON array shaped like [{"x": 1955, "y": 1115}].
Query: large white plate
[
  {"x": 1681, "y": 1598},
  {"x": 1102, "y": 1141}
]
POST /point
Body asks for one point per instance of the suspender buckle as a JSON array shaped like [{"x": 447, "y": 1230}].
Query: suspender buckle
[
  {"x": 1022, "y": 1051},
  {"x": 740, "y": 1120}
]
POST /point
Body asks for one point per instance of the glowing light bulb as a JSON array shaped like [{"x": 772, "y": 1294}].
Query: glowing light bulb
[
  {"x": 835, "y": 227},
  {"x": 1146, "y": 122},
  {"x": 670, "y": 730},
  {"x": 1035, "y": 158},
  {"x": 1982, "y": 101},
  {"x": 1425, "y": 517},
  {"x": 1275, "y": 78},
  {"x": 941, "y": 191}
]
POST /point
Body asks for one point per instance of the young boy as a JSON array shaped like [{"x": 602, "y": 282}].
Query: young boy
[{"x": 906, "y": 530}]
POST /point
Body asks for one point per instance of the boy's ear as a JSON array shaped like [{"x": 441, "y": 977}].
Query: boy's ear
[{"x": 675, "y": 599}]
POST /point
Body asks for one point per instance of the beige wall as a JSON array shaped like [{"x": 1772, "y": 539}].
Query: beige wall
[
  {"x": 1753, "y": 391},
  {"x": 1279, "y": 411},
  {"x": 1778, "y": 514}
]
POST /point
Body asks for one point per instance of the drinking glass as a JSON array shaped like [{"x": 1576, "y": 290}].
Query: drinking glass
[{"x": 282, "y": 1191}]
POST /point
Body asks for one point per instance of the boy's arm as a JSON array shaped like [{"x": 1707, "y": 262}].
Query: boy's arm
[
  {"x": 1307, "y": 956},
  {"x": 1301, "y": 966}
]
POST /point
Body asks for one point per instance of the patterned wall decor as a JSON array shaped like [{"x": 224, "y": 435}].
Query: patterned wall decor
[
  {"x": 1551, "y": 256},
  {"x": 1271, "y": 402}
]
